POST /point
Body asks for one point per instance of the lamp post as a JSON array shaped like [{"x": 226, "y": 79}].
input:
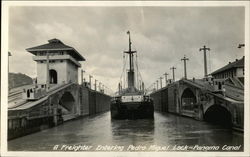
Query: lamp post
[
  {"x": 160, "y": 82},
  {"x": 95, "y": 84},
  {"x": 90, "y": 81},
  {"x": 9, "y": 54},
  {"x": 204, "y": 49},
  {"x": 184, "y": 59},
  {"x": 166, "y": 78},
  {"x": 173, "y": 68},
  {"x": 82, "y": 71}
]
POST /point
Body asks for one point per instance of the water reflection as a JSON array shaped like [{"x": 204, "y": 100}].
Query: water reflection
[
  {"x": 135, "y": 132},
  {"x": 164, "y": 130}
]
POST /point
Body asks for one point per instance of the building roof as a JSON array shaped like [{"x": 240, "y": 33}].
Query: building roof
[
  {"x": 236, "y": 64},
  {"x": 54, "y": 45}
]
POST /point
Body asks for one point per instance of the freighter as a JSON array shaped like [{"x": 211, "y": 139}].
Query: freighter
[{"x": 131, "y": 102}]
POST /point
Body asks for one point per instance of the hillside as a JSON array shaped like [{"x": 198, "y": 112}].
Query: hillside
[{"x": 18, "y": 79}]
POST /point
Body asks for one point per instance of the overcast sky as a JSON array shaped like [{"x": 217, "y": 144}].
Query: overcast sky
[{"x": 161, "y": 36}]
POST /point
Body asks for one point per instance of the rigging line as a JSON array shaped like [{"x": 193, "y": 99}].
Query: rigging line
[
  {"x": 124, "y": 72},
  {"x": 139, "y": 73},
  {"x": 124, "y": 59},
  {"x": 136, "y": 62},
  {"x": 124, "y": 65}
]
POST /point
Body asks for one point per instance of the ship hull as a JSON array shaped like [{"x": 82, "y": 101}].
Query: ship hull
[{"x": 132, "y": 110}]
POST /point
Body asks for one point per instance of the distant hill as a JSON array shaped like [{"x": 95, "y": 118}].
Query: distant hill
[{"x": 18, "y": 79}]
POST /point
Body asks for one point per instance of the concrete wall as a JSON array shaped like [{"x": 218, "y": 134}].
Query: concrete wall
[
  {"x": 172, "y": 98},
  {"x": 160, "y": 99},
  {"x": 156, "y": 96},
  {"x": 102, "y": 102},
  {"x": 71, "y": 74},
  {"x": 84, "y": 96},
  {"x": 164, "y": 96},
  {"x": 33, "y": 119},
  {"x": 169, "y": 100},
  {"x": 165, "y": 100},
  {"x": 93, "y": 102}
]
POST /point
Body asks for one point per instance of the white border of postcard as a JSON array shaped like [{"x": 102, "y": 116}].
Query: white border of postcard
[{"x": 4, "y": 76}]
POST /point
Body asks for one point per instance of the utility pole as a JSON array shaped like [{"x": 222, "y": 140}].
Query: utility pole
[
  {"x": 142, "y": 86},
  {"x": 95, "y": 84},
  {"x": 161, "y": 81},
  {"x": 166, "y": 78},
  {"x": 157, "y": 84},
  {"x": 119, "y": 88},
  {"x": 173, "y": 73},
  {"x": 204, "y": 49},
  {"x": 100, "y": 86},
  {"x": 90, "y": 81},
  {"x": 185, "y": 67},
  {"x": 47, "y": 71},
  {"x": 82, "y": 71}
]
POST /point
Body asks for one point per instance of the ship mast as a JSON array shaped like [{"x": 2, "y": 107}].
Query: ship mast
[{"x": 131, "y": 78}]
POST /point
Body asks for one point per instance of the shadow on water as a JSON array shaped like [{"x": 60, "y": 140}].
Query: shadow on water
[{"x": 135, "y": 132}]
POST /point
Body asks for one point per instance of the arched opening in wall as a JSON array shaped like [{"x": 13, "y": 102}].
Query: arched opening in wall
[
  {"x": 218, "y": 114},
  {"x": 67, "y": 103},
  {"x": 52, "y": 76},
  {"x": 188, "y": 99},
  {"x": 28, "y": 93}
]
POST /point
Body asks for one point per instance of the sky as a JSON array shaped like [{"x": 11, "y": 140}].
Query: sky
[{"x": 160, "y": 35}]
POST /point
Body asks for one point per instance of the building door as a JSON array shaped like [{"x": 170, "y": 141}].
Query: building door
[
  {"x": 52, "y": 76},
  {"x": 219, "y": 86},
  {"x": 28, "y": 93}
]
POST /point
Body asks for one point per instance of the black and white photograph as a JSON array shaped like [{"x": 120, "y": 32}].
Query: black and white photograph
[{"x": 125, "y": 78}]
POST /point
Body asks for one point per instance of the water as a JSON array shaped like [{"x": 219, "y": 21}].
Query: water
[{"x": 167, "y": 132}]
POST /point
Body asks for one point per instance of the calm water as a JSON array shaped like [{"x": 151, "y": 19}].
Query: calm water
[{"x": 166, "y": 132}]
